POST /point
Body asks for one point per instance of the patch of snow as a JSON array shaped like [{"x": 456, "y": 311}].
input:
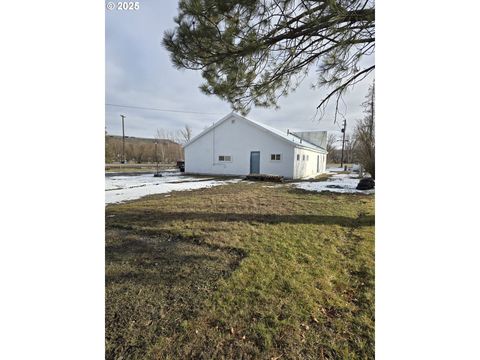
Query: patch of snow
[
  {"x": 123, "y": 188},
  {"x": 340, "y": 183},
  {"x": 334, "y": 169}
]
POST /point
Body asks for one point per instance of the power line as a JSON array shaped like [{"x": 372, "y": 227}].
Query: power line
[{"x": 165, "y": 110}]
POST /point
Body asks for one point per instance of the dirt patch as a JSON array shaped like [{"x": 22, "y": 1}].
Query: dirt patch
[{"x": 188, "y": 181}]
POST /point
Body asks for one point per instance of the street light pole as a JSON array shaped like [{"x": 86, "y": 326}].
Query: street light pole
[
  {"x": 343, "y": 140},
  {"x": 156, "y": 155},
  {"x": 123, "y": 139}
]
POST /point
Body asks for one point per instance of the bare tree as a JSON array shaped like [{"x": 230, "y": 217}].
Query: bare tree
[
  {"x": 130, "y": 152},
  {"x": 365, "y": 134},
  {"x": 168, "y": 147},
  {"x": 159, "y": 136},
  {"x": 140, "y": 153},
  {"x": 109, "y": 154},
  {"x": 331, "y": 140},
  {"x": 350, "y": 147},
  {"x": 185, "y": 134},
  {"x": 331, "y": 149}
]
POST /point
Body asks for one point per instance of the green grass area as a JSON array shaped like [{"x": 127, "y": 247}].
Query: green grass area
[{"x": 241, "y": 271}]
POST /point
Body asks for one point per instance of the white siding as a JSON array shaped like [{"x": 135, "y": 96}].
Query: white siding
[
  {"x": 237, "y": 139},
  {"x": 308, "y": 168}
]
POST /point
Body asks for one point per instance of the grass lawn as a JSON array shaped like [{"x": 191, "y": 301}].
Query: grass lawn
[{"x": 241, "y": 271}]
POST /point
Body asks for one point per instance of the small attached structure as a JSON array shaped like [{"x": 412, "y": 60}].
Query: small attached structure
[{"x": 235, "y": 145}]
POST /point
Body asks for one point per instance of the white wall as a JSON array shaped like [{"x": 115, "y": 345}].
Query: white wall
[
  {"x": 308, "y": 168},
  {"x": 238, "y": 139}
]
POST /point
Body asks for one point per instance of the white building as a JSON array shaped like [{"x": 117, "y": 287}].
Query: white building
[{"x": 235, "y": 145}]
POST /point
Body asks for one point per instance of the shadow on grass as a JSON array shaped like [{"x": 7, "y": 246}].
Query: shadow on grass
[
  {"x": 154, "y": 285},
  {"x": 159, "y": 217}
]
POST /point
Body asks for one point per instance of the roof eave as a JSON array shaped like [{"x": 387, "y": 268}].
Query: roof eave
[
  {"x": 318, "y": 149},
  {"x": 211, "y": 127}
]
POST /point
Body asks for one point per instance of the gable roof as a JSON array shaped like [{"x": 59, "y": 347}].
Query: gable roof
[{"x": 288, "y": 137}]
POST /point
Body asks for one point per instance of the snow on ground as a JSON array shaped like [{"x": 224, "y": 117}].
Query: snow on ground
[
  {"x": 334, "y": 170},
  {"x": 123, "y": 188},
  {"x": 341, "y": 183}
]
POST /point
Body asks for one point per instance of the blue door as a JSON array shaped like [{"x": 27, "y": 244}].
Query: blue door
[{"x": 255, "y": 162}]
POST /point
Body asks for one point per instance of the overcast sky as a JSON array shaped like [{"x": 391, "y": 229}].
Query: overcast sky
[{"x": 139, "y": 73}]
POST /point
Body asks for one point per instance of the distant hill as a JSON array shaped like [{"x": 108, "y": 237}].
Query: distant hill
[
  {"x": 142, "y": 150},
  {"x": 138, "y": 140}
]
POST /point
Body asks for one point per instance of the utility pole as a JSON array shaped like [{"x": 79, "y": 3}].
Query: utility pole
[
  {"x": 156, "y": 155},
  {"x": 372, "y": 109},
  {"x": 343, "y": 140},
  {"x": 123, "y": 139}
]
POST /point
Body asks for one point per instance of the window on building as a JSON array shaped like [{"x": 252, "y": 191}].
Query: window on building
[
  {"x": 224, "y": 158},
  {"x": 307, "y": 157},
  {"x": 275, "y": 157},
  {"x": 303, "y": 157},
  {"x": 298, "y": 157}
]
